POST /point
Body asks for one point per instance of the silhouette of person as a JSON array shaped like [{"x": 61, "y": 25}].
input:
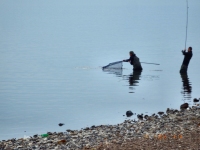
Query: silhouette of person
[
  {"x": 134, "y": 60},
  {"x": 186, "y": 60},
  {"x": 187, "y": 86}
]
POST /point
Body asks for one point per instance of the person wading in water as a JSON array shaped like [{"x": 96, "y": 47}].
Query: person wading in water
[
  {"x": 134, "y": 60},
  {"x": 186, "y": 60}
]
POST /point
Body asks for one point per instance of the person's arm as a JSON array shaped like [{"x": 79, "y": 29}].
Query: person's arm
[
  {"x": 126, "y": 60},
  {"x": 184, "y": 52}
]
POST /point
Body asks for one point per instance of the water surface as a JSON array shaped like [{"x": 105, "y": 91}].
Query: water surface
[{"x": 51, "y": 55}]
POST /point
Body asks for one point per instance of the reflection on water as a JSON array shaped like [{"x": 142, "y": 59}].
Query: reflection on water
[
  {"x": 118, "y": 72},
  {"x": 187, "y": 87},
  {"x": 133, "y": 78}
]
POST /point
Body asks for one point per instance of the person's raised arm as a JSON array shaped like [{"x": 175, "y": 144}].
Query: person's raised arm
[{"x": 184, "y": 52}]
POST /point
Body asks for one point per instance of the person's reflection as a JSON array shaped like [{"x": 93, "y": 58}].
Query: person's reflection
[
  {"x": 133, "y": 79},
  {"x": 187, "y": 87}
]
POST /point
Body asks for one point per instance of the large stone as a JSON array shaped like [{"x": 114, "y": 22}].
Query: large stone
[
  {"x": 195, "y": 100},
  {"x": 129, "y": 113},
  {"x": 184, "y": 106}
]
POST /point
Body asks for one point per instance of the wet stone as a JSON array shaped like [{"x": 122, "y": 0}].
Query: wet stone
[{"x": 129, "y": 113}]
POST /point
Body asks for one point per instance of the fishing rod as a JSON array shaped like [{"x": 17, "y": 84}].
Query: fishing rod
[
  {"x": 185, "y": 35},
  {"x": 186, "y": 24},
  {"x": 150, "y": 63}
]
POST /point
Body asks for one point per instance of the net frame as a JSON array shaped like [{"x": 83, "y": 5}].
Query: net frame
[{"x": 114, "y": 65}]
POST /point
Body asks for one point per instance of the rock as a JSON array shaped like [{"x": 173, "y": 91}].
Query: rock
[
  {"x": 175, "y": 111},
  {"x": 61, "y": 124},
  {"x": 6, "y": 148},
  {"x": 140, "y": 117},
  {"x": 129, "y": 113},
  {"x": 35, "y": 136},
  {"x": 49, "y": 133},
  {"x": 184, "y": 106},
  {"x": 62, "y": 142},
  {"x": 173, "y": 122},
  {"x": 146, "y": 116},
  {"x": 160, "y": 112},
  {"x": 168, "y": 110},
  {"x": 18, "y": 147},
  {"x": 195, "y": 100},
  {"x": 87, "y": 128}
]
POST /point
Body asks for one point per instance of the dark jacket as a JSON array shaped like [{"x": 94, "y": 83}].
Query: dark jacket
[
  {"x": 188, "y": 56},
  {"x": 135, "y": 61},
  {"x": 131, "y": 59}
]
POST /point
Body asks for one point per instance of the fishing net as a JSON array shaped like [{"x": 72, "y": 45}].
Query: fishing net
[{"x": 114, "y": 65}]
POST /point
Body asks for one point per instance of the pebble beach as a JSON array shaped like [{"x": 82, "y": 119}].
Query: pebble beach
[{"x": 172, "y": 129}]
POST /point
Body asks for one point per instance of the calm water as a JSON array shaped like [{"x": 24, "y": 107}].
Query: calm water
[{"x": 51, "y": 55}]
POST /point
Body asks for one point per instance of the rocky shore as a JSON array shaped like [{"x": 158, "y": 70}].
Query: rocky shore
[{"x": 170, "y": 128}]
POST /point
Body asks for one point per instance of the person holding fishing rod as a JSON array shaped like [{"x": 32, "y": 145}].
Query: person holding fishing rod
[
  {"x": 188, "y": 54},
  {"x": 186, "y": 60},
  {"x": 134, "y": 60}
]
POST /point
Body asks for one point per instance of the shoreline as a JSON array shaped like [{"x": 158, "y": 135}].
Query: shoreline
[{"x": 170, "y": 126}]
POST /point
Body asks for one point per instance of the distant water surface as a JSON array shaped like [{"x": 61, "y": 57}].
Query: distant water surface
[{"x": 51, "y": 54}]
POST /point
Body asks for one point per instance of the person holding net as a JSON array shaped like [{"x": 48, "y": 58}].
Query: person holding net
[{"x": 134, "y": 60}]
